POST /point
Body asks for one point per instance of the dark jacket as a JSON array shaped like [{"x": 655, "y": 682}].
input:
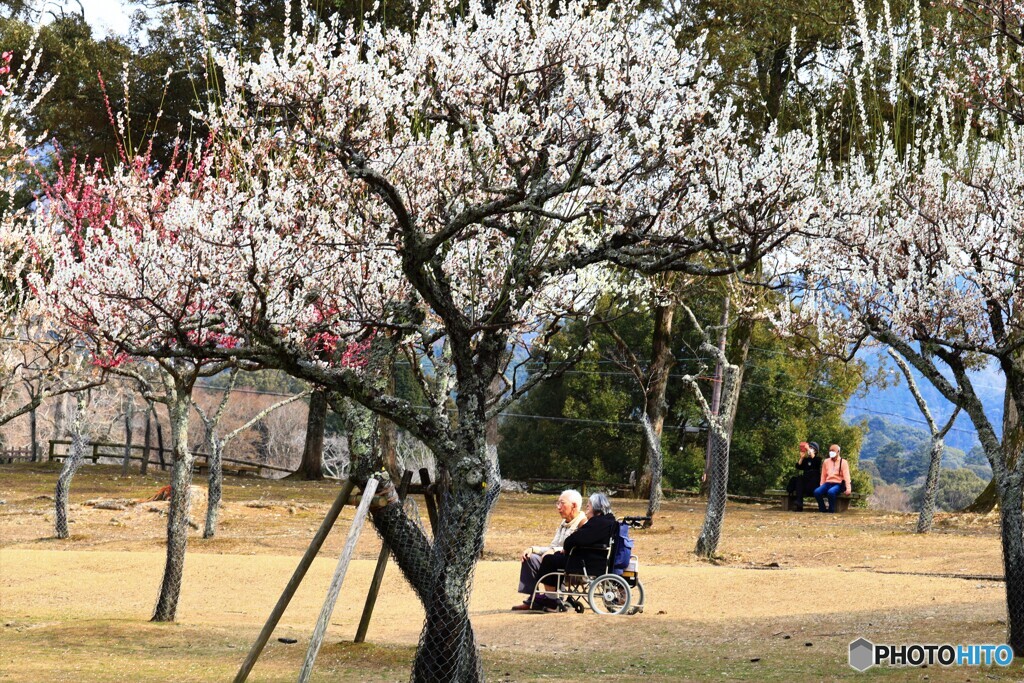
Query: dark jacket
[
  {"x": 597, "y": 532},
  {"x": 810, "y": 472}
]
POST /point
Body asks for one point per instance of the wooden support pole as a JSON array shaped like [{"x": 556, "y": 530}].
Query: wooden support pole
[
  {"x": 293, "y": 583},
  {"x": 144, "y": 465},
  {"x": 339, "y": 576},
  {"x": 428, "y": 497},
  {"x": 378, "y": 573},
  {"x": 160, "y": 442}
]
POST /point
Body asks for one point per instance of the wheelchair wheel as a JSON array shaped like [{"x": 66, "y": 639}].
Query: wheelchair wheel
[
  {"x": 609, "y": 594},
  {"x": 637, "y": 603}
]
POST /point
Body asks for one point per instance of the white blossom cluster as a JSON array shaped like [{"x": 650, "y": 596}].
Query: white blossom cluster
[
  {"x": 127, "y": 266},
  {"x": 513, "y": 145},
  {"x": 491, "y": 167},
  {"x": 16, "y": 304},
  {"x": 924, "y": 236}
]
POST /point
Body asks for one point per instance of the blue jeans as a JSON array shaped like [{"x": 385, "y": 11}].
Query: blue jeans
[{"x": 830, "y": 490}]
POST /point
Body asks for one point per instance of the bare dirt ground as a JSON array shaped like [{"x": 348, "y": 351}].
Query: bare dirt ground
[{"x": 784, "y": 601}]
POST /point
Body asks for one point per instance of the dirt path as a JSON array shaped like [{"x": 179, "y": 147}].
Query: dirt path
[
  {"x": 790, "y": 593},
  {"x": 44, "y": 590},
  {"x": 232, "y": 589}
]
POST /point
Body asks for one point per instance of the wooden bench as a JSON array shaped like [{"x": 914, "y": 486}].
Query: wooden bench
[{"x": 842, "y": 502}]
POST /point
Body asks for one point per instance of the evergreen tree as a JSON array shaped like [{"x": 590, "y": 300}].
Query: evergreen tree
[{"x": 583, "y": 424}]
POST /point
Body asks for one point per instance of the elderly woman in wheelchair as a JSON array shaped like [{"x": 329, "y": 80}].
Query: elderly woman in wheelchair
[{"x": 586, "y": 568}]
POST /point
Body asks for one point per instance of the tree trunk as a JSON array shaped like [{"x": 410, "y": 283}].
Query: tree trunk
[
  {"x": 448, "y": 650},
  {"x": 718, "y": 474},
  {"x": 1009, "y": 482},
  {"x": 33, "y": 426},
  {"x": 721, "y": 435},
  {"x": 649, "y": 482},
  {"x": 59, "y": 409},
  {"x": 716, "y": 400},
  {"x": 441, "y": 572},
  {"x": 129, "y": 418},
  {"x": 67, "y": 473},
  {"x": 406, "y": 538},
  {"x": 389, "y": 447},
  {"x": 1013, "y": 442},
  {"x": 313, "y": 451},
  {"x": 214, "y": 487},
  {"x": 404, "y": 535},
  {"x": 653, "y": 441},
  {"x": 178, "y": 512},
  {"x": 931, "y": 487},
  {"x": 1012, "y": 535},
  {"x": 986, "y": 500}
]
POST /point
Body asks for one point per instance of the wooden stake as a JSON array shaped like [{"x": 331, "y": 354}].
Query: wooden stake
[
  {"x": 378, "y": 573},
  {"x": 428, "y": 497},
  {"x": 339, "y": 575},
  {"x": 293, "y": 583}
]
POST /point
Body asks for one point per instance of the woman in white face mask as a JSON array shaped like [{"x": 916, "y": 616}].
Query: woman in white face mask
[{"x": 835, "y": 479}]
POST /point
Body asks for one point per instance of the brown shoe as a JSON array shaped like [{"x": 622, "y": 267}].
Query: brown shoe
[{"x": 525, "y": 607}]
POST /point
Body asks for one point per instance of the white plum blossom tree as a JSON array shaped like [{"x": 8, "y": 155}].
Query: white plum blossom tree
[
  {"x": 34, "y": 353},
  {"x": 124, "y": 272},
  {"x": 457, "y": 191},
  {"x": 924, "y": 248},
  {"x": 447, "y": 194}
]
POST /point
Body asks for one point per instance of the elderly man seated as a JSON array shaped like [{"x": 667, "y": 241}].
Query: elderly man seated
[{"x": 569, "y": 506}]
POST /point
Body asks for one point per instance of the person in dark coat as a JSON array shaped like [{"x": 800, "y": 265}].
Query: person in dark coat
[
  {"x": 804, "y": 483},
  {"x": 590, "y": 540}
]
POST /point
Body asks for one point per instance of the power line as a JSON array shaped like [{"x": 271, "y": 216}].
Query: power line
[
  {"x": 581, "y": 420},
  {"x": 247, "y": 390}
]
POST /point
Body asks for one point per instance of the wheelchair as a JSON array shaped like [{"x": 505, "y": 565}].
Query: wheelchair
[{"x": 616, "y": 591}]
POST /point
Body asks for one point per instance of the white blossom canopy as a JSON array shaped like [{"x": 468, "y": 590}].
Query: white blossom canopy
[{"x": 488, "y": 173}]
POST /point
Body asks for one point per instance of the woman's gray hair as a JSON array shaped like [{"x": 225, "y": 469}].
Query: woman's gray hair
[{"x": 600, "y": 504}]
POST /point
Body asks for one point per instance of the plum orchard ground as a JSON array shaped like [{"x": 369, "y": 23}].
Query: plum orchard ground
[{"x": 77, "y": 610}]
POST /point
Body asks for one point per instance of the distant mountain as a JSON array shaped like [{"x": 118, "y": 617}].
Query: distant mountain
[
  {"x": 900, "y": 453},
  {"x": 896, "y": 404}
]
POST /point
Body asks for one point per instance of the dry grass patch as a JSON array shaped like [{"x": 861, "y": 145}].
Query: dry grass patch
[{"x": 77, "y": 610}]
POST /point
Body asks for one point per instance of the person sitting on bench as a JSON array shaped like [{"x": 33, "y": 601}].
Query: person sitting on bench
[
  {"x": 835, "y": 479},
  {"x": 803, "y": 484}
]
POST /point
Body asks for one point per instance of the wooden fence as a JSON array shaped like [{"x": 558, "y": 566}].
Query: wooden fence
[
  {"x": 58, "y": 450},
  {"x": 558, "y": 485},
  {"x": 9, "y": 455}
]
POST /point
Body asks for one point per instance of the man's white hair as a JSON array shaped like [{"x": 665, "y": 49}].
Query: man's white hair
[{"x": 574, "y": 497}]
